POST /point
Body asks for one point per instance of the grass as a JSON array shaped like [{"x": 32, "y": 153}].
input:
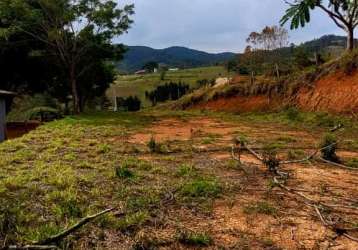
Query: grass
[
  {"x": 137, "y": 85},
  {"x": 353, "y": 163},
  {"x": 201, "y": 188},
  {"x": 77, "y": 166},
  {"x": 260, "y": 208}
]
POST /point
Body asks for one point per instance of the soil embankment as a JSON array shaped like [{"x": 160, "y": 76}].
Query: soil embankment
[{"x": 334, "y": 93}]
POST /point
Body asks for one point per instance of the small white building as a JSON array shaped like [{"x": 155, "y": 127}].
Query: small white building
[{"x": 5, "y": 97}]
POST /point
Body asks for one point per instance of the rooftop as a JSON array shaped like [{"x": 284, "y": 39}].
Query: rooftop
[{"x": 6, "y": 93}]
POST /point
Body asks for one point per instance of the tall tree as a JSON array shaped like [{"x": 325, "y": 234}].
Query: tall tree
[
  {"x": 70, "y": 29},
  {"x": 265, "y": 46},
  {"x": 344, "y": 14}
]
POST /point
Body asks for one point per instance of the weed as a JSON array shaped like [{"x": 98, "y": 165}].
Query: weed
[
  {"x": 103, "y": 149},
  {"x": 195, "y": 239},
  {"x": 186, "y": 170},
  {"x": 124, "y": 172},
  {"x": 152, "y": 144},
  {"x": 155, "y": 147},
  {"x": 260, "y": 208}
]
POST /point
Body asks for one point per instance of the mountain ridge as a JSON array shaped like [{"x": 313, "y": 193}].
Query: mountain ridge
[{"x": 176, "y": 56}]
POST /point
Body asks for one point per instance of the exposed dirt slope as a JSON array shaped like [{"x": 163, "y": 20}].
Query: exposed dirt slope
[
  {"x": 333, "y": 87},
  {"x": 335, "y": 93}
]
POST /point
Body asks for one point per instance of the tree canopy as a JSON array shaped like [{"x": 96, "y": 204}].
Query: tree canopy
[
  {"x": 75, "y": 34},
  {"x": 344, "y": 13}
]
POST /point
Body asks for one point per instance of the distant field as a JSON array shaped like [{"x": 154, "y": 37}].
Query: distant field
[{"x": 137, "y": 85}]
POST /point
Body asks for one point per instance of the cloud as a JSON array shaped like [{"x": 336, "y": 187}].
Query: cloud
[{"x": 212, "y": 25}]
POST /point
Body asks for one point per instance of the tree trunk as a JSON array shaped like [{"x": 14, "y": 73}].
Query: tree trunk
[
  {"x": 350, "y": 39},
  {"x": 75, "y": 97}
]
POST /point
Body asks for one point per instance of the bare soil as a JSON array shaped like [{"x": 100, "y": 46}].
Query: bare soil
[{"x": 294, "y": 225}]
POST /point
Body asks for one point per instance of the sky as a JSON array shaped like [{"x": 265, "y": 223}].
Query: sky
[{"x": 213, "y": 25}]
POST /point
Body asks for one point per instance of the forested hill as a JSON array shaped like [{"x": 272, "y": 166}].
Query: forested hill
[
  {"x": 326, "y": 43},
  {"x": 138, "y": 56}
]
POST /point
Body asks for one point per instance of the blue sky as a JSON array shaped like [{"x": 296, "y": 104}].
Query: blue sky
[{"x": 212, "y": 25}]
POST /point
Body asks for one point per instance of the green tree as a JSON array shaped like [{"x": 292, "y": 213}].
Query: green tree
[
  {"x": 72, "y": 30},
  {"x": 301, "y": 58},
  {"x": 344, "y": 14}
]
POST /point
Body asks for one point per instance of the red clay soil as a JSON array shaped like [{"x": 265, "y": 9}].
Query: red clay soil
[
  {"x": 336, "y": 93},
  {"x": 239, "y": 104},
  {"x": 18, "y": 129}
]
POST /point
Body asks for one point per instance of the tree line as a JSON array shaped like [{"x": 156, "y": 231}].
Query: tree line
[{"x": 168, "y": 91}]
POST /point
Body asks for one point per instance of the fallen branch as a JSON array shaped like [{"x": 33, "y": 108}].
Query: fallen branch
[
  {"x": 332, "y": 226},
  {"x": 310, "y": 157},
  {"x": 336, "y": 128},
  {"x": 65, "y": 233},
  {"x": 32, "y": 247},
  {"x": 336, "y": 164}
]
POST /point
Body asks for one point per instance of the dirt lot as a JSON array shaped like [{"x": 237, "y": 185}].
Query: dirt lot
[
  {"x": 187, "y": 194},
  {"x": 294, "y": 225}
]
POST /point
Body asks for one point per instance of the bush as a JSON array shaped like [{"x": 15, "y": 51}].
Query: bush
[
  {"x": 293, "y": 114},
  {"x": 132, "y": 104},
  {"x": 155, "y": 147},
  {"x": 329, "y": 147}
]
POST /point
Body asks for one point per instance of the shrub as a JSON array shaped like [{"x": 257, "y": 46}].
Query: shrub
[
  {"x": 152, "y": 144},
  {"x": 155, "y": 147},
  {"x": 124, "y": 173},
  {"x": 293, "y": 114},
  {"x": 329, "y": 147}
]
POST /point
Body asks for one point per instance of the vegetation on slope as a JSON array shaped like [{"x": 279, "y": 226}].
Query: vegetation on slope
[{"x": 137, "y": 85}]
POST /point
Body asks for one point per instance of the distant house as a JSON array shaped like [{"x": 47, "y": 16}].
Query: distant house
[
  {"x": 174, "y": 69},
  {"x": 141, "y": 72},
  {"x": 5, "y": 97}
]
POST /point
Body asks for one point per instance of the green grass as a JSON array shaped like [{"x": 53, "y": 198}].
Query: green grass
[
  {"x": 353, "y": 163},
  {"x": 78, "y": 166},
  {"x": 201, "y": 188},
  {"x": 195, "y": 239},
  {"x": 137, "y": 85}
]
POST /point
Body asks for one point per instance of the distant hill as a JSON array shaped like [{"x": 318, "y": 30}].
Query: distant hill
[
  {"x": 182, "y": 57},
  {"x": 327, "y": 43}
]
